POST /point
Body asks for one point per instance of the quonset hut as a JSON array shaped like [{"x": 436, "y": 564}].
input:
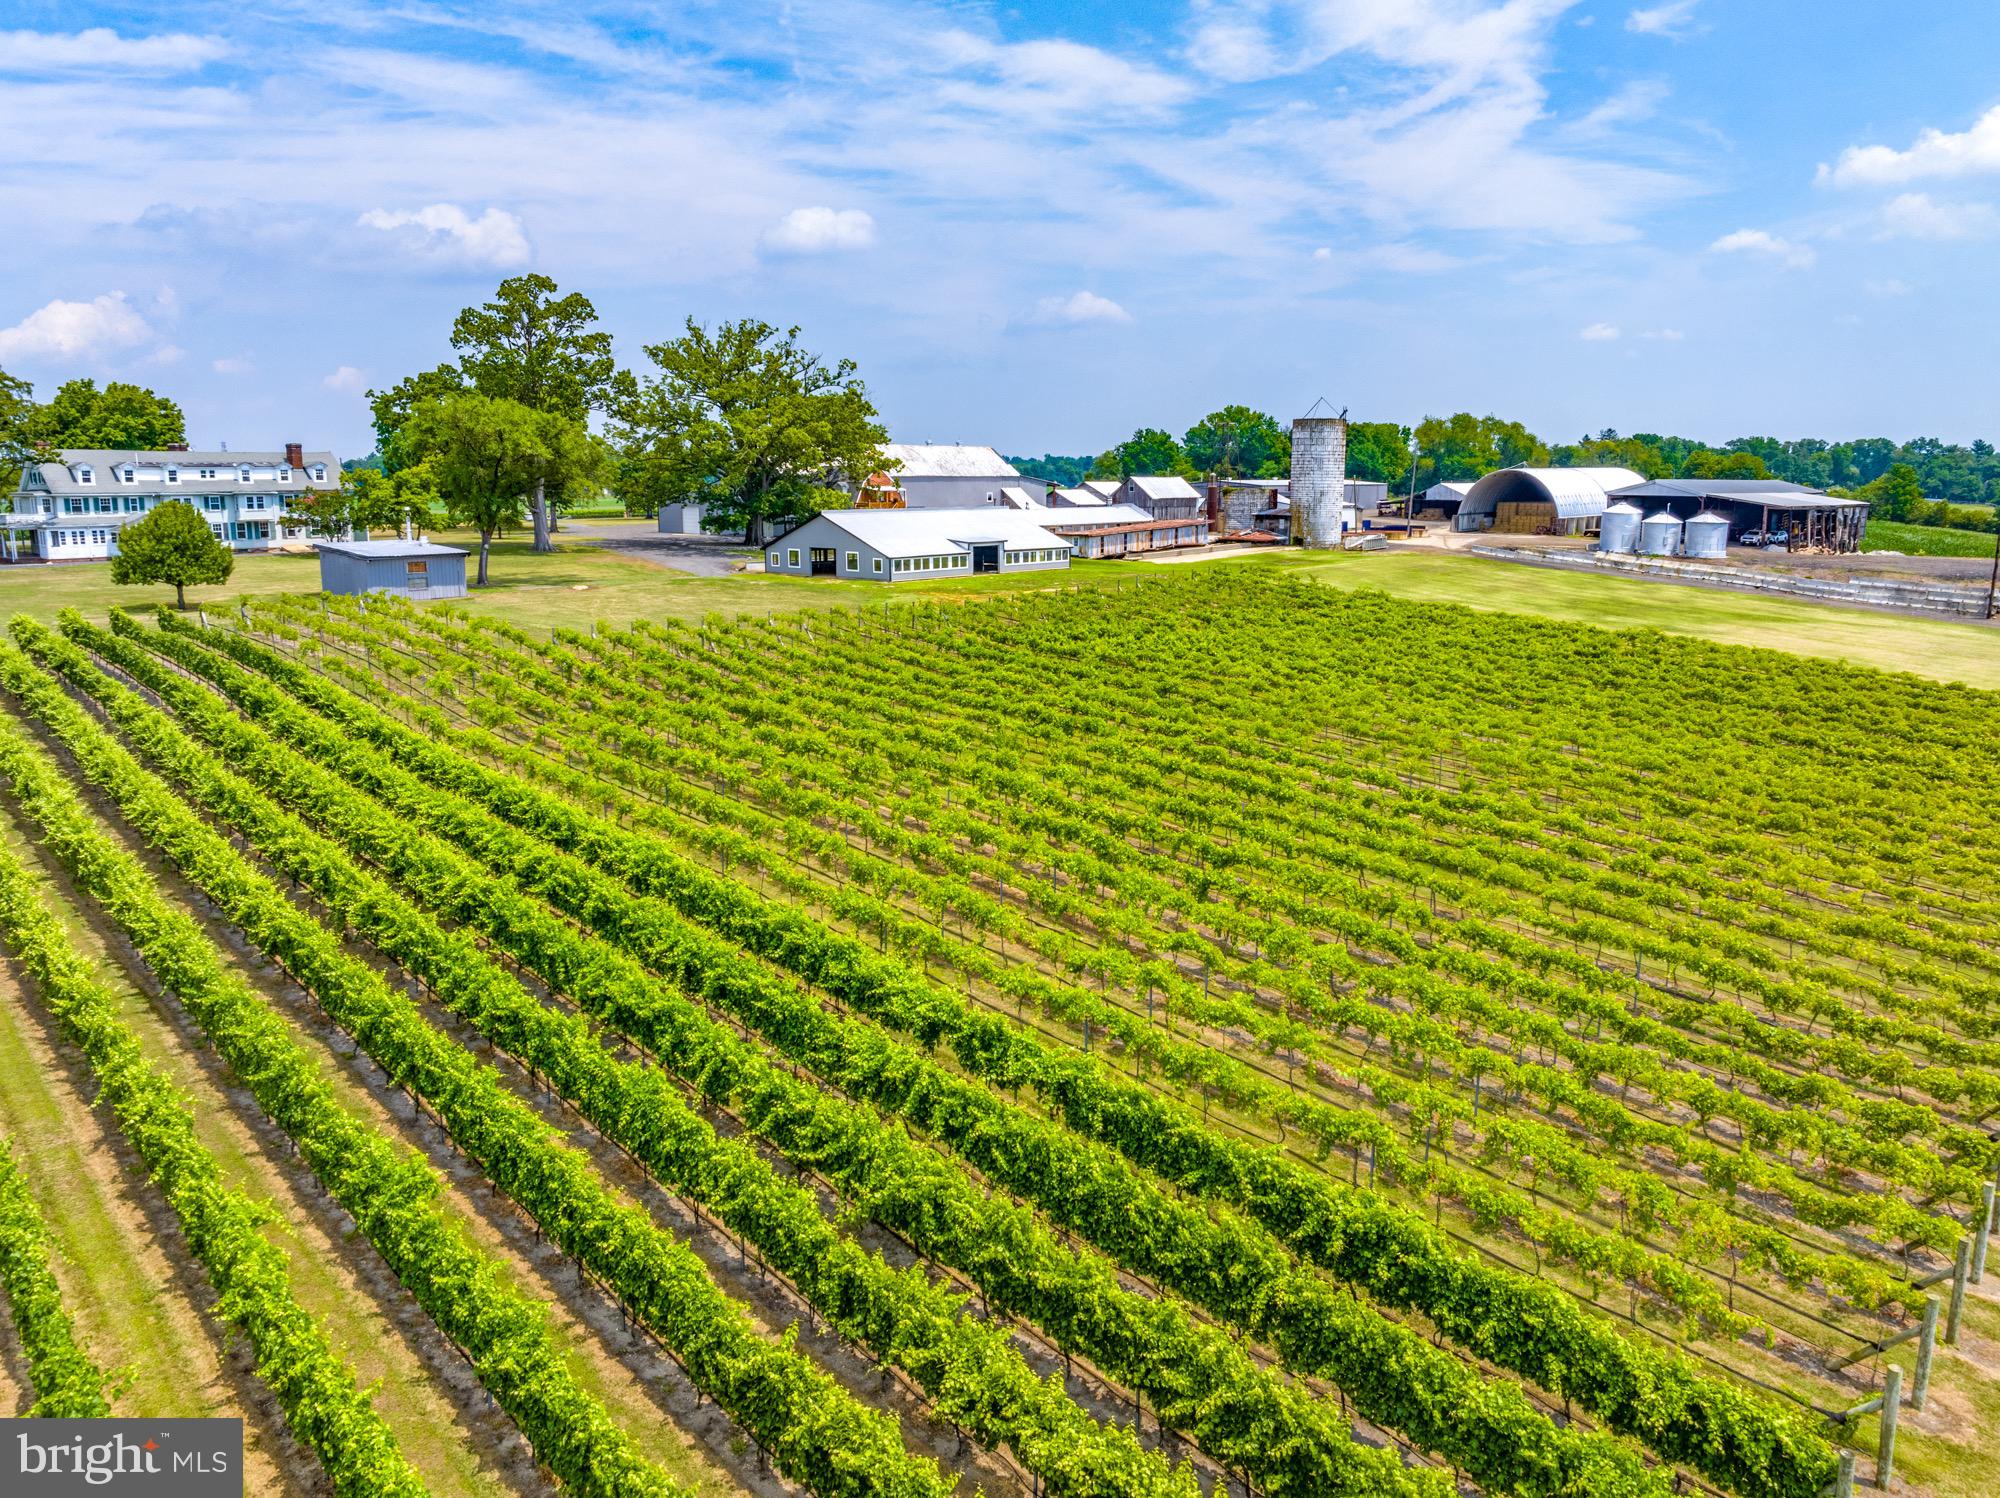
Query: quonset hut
[{"x": 1542, "y": 501}]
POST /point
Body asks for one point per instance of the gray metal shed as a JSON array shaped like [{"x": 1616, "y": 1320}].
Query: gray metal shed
[{"x": 409, "y": 569}]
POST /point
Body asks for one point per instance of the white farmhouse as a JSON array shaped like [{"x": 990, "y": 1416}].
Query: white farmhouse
[
  {"x": 895, "y": 546},
  {"x": 71, "y": 507}
]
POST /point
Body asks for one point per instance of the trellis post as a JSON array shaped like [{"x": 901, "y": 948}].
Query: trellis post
[
  {"x": 1961, "y": 1268},
  {"x": 1926, "y": 1344},
  {"x": 1885, "y": 1450},
  {"x": 1985, "y": 1232}
]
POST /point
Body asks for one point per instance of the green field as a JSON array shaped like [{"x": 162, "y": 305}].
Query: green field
[{"x": 1926, "y": 540}]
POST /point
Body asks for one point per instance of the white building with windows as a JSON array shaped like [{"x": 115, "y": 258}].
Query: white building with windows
[
  {"x": 895, "y": 546},
  {"x": 72, "y": 507}
]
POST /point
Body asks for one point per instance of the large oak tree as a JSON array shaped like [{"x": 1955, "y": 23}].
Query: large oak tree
[{"x": 747, "y": 422}]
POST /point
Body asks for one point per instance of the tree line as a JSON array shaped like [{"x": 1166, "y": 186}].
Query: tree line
[
  {"x": 1925, "y": 480},
  {"x": 533, "y": 417}
]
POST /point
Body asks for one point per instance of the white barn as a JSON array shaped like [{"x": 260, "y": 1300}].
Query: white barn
[
  {"x": 949, "y": 476},
  {"x": 894, "y": 546}
]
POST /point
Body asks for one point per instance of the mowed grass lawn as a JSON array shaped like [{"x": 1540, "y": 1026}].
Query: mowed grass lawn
[
  {"x": 1936, "y": 648},
  {"x": 583, "y": 581}
]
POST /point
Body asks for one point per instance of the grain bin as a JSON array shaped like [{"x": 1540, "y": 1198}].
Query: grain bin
[
  {"x": 1660, "y": 535},
  {"x": 1621, "y": 529},
  {"x": 1707, "y": 535}
]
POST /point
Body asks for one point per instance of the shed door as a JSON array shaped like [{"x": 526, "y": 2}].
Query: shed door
[
  {"x": 822, "y": 561},
  {"x": 417, "y": 576},
  {"x": 985, "y": 559}
]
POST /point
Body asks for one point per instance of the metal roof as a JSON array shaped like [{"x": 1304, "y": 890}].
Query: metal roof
[
  {"x": 1104, "y": 517},
  {"x": 1576, "y": 493},
  {"x": 1080, "y": 498},
  {"x": 1778, "y": 494},
  {"x": 922, "y": 533},
  {"x": 389, "y": 549},
  {"x": 937, "y": 460},
  {"x": 1164, "y": 486},
  {"x": 58, "y": 476},
  {"x": 1105, "y": 487}
]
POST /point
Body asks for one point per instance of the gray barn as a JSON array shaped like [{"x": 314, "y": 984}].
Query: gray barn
[{"x": 409, "y": 569}]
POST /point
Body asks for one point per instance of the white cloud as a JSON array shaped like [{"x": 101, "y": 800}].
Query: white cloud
[
  {"x": 446, "y": 231},
  {"x": 1763, "y": 242},
  {"x": 100, "y": 48},
  {"x": 1674, "y": 18},
  {"x": 347, "y": 377},
  {"x": 74, "y": 330},
  {"x": 1935, "y": 154},
  {"x": 1916, "y": 215},
  {"x": 815, "y": 231},
  {"x": 1636, "y": 101},
  {"x": 1887, "y": 288},
  {"x": 1600, "y": 332},
  {"x": 232, "y": 366},
  {"x": 1324, "y": 252},
  {"x": 1080, "y": 307}
]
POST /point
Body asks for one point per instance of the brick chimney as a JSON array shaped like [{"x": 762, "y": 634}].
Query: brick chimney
[
  {"x": 295, "y": 455},
  {"x": 177, "y": 447}
]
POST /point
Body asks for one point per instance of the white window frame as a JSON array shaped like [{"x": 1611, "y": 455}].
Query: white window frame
[
  {"x": 319, "y": 473},
  {"x": 878, "y": 566},
  {"x": 243, "y": 473},
  {"x": 214, "y": 504},
  {"x": 773, "y": 559},
  {"x": 854, "y": 561},
  {"x": 220, "y": 529},
  {"x": 85, "y": 476},
  {"x": 791, "y": 556},
  {"x": 173, "y": 475},
  {"x": 285, "y": 474},
  {"x": 126, "y": 475}
]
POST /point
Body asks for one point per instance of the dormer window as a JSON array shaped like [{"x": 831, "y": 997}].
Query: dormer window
[
  {"x": 173, "y": 475},
  {"x": 243, "y": 474},
  {"x": 319, "y": 473},
  {"x": 285, "y": 475},
  {"x": 128, "y": 475},
  {"x": 83, "y": 476}
]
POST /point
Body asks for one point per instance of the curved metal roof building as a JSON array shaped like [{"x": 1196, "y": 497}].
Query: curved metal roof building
[{"x": 1575, "y": 494}]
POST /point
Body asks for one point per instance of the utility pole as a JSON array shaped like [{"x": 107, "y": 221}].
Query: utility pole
[{"x": 1993, "y": 587}]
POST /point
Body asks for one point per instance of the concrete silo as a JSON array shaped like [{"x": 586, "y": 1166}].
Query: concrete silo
[
  {"x": 1707, "y": 535},
  {"x": 1660, "y": 535},
  {"x": 1620, "y": 533},
  {"x": 1319, "y": 477}
]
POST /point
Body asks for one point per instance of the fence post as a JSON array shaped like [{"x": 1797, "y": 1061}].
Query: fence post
[
  {"x": 1843, "y": 1484},
  {"x": 1985, "y": 1232},
  {"x": 1961, "y": 1267},
  {"x": 1926, "y": 1342},
  {"x": 1885, "y": 1451}
]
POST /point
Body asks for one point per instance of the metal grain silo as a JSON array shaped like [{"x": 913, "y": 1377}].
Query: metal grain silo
[
  {"x": 1707, "y": 535},
  {"x": 1621, "y": 529},
  {"x": 1660, "y": 535}
]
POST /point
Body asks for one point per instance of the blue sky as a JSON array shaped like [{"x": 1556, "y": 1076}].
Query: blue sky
[{"x": 1037, "y": 226}]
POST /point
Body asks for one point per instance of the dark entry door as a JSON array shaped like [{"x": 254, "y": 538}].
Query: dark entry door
[
  {"x": 985, "y": 559},
  {"x": 822, "y": 561}
]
